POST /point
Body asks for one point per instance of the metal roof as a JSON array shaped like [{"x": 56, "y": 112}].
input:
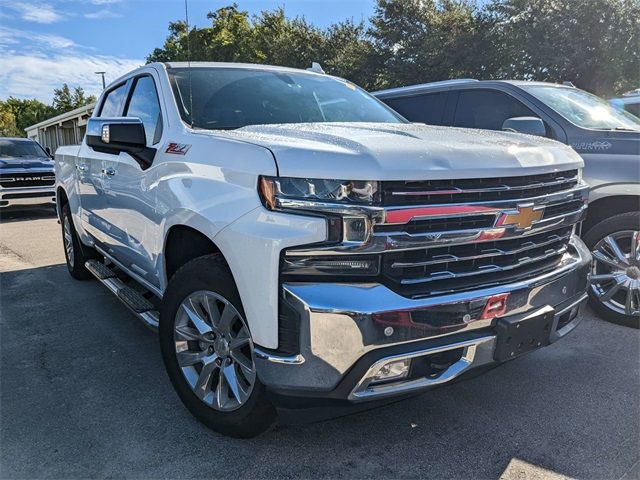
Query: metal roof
[
  {"x": 434, "y": 85},
  {"x": 423, "y": 86},
  {"x": 247, "y": 66},
  {"x": 62, "y": 117}
]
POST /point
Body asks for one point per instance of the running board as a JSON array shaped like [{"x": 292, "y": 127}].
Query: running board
[{"x": 139, "y": 306}]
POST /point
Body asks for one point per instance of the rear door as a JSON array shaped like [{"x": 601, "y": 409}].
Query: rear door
[
  {"x": 426, "y": 108},
  {"x": 129, "y": 188},
  {"x": 89, "y": 176}
]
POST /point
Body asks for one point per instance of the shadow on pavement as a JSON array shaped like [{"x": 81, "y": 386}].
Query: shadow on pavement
[
  {"x": 18, "y": 215},
  {"x": 84, "y": 394}
]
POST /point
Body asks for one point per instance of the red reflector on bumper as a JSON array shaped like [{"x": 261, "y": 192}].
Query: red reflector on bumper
[{"x": 496, "y": 306}]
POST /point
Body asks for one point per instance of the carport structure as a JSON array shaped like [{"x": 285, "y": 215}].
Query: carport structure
[{"x": 64, "y": 129}]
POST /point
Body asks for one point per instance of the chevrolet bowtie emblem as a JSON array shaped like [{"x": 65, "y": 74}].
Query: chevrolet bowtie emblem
[{"x": 523, "y": 218}]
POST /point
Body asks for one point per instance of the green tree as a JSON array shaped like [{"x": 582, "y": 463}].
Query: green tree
[
  {"x": 65, "y": 100},
  {"x": 593, "y": 43},
  {"x": 8, "y": 126},
  {"x": 271, "y": 38},
  {"x": 228, "y": 39},
  {"x": 427, "y": 40},
  {"x": 25, "y": 112},
  {"x": 349, "y": 53}
]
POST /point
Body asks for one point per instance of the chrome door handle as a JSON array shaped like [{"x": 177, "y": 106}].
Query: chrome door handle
[
  {"x": 81, "y": 167},
  {"x": 110, "y": 172}
]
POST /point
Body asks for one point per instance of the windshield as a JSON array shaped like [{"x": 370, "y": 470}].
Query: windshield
[
  {"x": 227, "y": 98},
  {"x": 584, "y": 109},
  {"x": 21, "y": 148}
]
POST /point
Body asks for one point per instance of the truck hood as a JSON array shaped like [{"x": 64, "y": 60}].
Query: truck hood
[
  {"x": 26, "y": 163},
  {"x": 377, "y": 151}
]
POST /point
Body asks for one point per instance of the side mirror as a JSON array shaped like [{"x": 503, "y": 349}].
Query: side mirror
[
  {"x": 121, "y": 134},
  {"x": 528, "y": 125},
  {"x": 48, "y": 150}
]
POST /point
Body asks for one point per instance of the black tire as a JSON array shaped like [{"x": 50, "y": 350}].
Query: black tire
[
  {"x": 80, "y": 253},
  {"x": 209, "y": 273},
  {"x": 617, "y": 223}
]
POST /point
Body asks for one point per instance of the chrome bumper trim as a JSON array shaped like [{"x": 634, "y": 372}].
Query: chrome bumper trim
[
  {"x": 476, "y": 353},
  {"x": 284, "y": 359},
  {"x": 339, "y": 323},
  {"x": 40, "y": 200}
]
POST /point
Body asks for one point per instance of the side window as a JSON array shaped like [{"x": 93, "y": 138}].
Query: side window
[
  {"x": 633, "y": 108},
  {"x": 112, "y": 106},
  {"x": 144, "y": 104},
  {"x": 487, "y": 109},
  {"x": 427, "y": 108}
]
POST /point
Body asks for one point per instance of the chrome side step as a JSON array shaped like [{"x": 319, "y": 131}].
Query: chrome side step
[{"x": 135, "y": 302}]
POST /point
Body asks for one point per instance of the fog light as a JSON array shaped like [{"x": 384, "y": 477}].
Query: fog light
[
  {"x": 355, "y": 229},
  {"x": 392, "y": 371}
]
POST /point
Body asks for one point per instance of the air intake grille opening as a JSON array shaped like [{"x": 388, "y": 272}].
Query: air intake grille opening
[{"x": 430, "y": 192}]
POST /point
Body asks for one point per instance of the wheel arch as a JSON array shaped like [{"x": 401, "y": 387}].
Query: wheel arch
[
  {"x": 605, "y": 207},
  {"x": 184, "y": 243},
  {"x": 61, "y": 200}
]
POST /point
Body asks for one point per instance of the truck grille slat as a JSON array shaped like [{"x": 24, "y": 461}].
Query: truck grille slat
[
  {"x": 485, "y": 251},
  {"x": 438, "y": 269},
  {"x": 429, "y": 192},
  {"x": 468, "y": 261}
]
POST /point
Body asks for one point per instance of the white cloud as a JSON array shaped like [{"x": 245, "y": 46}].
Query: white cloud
[
  {"x": 36, "y": 12},
  {"x": 105, "y": 2},
  {"x": 35, "y": 76},
  {"x": 13, "y": 36},
  {"x": 100, "y": 14}
]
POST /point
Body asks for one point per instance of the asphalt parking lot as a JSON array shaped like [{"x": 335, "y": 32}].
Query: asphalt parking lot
[{"x": 83, "y": 393}]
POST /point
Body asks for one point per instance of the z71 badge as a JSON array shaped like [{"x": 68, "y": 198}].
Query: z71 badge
[{"x": 178, "y": 148}]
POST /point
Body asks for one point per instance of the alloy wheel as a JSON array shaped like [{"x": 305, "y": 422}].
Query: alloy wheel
[
  {"x": 214, "y": 350},
  {"x": 68, "y": 240},
  {"x": 615, "y": 278}
]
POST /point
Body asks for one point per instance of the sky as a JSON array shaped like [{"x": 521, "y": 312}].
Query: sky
[{"x": 44, "y": 44}]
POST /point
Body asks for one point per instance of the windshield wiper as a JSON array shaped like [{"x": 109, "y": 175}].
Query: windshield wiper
[{"x": 627, "y": 129}]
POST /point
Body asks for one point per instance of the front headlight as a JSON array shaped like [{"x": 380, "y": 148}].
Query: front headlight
[{"x": 282, "y": 192}]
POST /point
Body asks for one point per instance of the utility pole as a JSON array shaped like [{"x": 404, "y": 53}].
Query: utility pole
[{"x": 102, "y": 75}]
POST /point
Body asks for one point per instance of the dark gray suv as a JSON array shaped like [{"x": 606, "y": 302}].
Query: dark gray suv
[{"x": 606, "y": 138}]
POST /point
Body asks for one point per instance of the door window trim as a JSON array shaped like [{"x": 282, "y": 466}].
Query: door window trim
[
  {"x": 127, "y": 85},
  {"x": 132, "y": 87}
]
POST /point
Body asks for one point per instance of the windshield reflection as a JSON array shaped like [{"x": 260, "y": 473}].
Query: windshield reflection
[{"x": 584, "y": 109}]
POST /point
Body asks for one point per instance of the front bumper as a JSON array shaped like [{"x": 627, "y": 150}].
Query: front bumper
[
  {"x": 27, "y": 196},
  {"x": 345, "y": 336}
]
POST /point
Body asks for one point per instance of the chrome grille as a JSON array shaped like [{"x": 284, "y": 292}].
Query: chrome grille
[
  {"x": 27, "y": 179},
  {"x": 428, "y": 192},
  {"x": 434, "y": 243},
  {"x": 445, "y": 269}
]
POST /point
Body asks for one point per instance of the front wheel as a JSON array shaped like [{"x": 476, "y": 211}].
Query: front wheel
[
  {"x": 75, "y": 253},
  {"x": 208, "y": 350},
  {"x": 615, "y": 275}
]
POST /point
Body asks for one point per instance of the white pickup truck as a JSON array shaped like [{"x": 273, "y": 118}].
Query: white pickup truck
[{"x": 297, "y": 242}]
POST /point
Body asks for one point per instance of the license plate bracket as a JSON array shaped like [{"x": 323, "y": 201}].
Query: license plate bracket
[{"x": 520, "y": 335}]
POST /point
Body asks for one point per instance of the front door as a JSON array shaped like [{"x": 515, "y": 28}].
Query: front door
[
  {"x": 130, "y": 190},
  {"x": 89, "y": 175}
]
